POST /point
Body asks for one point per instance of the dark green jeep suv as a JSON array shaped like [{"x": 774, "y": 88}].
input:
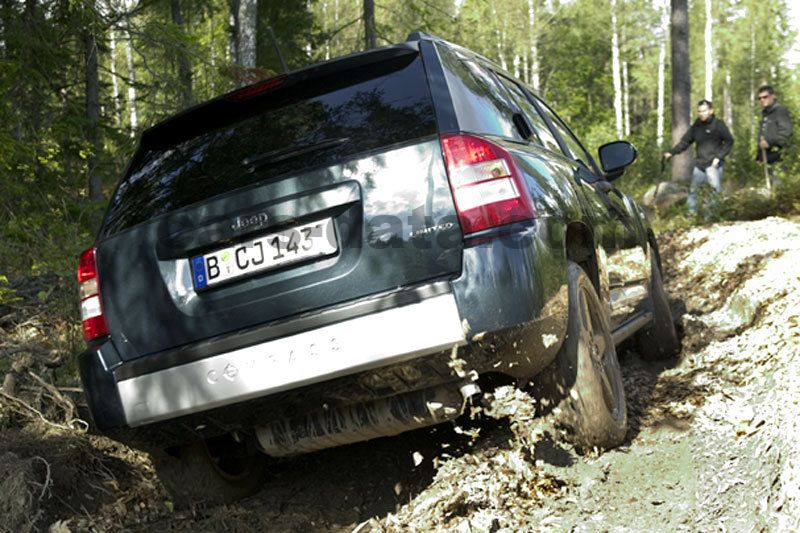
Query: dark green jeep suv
[{"x": 342, "y": 252}]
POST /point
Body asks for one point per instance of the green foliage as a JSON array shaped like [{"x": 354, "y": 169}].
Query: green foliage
[{"x": 47, "y": 148}]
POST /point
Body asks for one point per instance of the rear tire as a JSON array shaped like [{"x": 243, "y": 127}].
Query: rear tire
[
  {"x": 218, "y": 470},
  {"x": 591, "y": 405},
  {"x": 659, "y": 340}
]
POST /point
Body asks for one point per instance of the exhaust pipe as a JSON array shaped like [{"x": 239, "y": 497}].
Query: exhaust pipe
[{"x": 355, "y": 423}]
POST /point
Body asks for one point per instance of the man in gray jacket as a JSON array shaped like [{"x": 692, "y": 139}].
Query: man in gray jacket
[{"x": 775, "y": 133}]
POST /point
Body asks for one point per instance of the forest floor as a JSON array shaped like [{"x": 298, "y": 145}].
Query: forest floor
[{"x": 713, "y": 443}]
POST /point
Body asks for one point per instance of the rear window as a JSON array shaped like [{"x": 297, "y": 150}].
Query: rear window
[
  {"x": 481, "y": 105},
  {"x": 321, "y": 126}
]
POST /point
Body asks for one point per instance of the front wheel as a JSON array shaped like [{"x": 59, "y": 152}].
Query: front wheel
[{"x": 592, "y": 408}]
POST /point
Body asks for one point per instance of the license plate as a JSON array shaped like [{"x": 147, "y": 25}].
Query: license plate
[{"x": 299, "y": 243}]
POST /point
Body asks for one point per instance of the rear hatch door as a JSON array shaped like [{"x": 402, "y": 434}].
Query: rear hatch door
[{"x": 327, "y": 187}]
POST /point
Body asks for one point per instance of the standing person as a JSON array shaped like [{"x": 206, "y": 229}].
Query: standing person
[
  {"x": 774, "y": 134},
  {"x": 714, "y": 142}
]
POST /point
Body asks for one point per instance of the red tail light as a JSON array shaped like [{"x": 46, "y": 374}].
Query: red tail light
[
  {"x": 487, "y": 186},
  {"x": 94, "y": 323}
]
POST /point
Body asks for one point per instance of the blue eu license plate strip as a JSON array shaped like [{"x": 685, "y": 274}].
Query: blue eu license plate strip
[{"x": 199, "y": 272}]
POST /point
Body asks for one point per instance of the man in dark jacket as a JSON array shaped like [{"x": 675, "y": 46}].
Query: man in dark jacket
[
  {"x": 774, "y": 134},
  {"x": 714, "y": 142}
]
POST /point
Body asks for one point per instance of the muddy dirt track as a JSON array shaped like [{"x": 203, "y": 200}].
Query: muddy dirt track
[{"x": 713, "y": 443}]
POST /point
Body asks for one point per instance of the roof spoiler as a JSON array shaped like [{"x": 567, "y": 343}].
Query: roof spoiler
[{"x": 422, "y": 36}]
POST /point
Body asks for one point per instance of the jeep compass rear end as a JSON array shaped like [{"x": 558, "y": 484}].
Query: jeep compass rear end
[{"x": 326, "y": 257}]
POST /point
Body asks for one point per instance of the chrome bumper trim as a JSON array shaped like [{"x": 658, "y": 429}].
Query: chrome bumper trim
[{"x": 321, "y": 354}]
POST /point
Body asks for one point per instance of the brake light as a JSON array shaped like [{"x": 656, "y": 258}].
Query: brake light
[
  {"x": 255, "y": 89},
  {"x": 94, "y": 323},
  {"x": 487, "y": 186}
]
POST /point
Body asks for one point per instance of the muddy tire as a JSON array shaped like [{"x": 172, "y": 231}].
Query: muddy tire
[
  {"x": 591, "y": 408},
  {"x": 215, "y": 471},
  {"x": 659, "y": 340}
]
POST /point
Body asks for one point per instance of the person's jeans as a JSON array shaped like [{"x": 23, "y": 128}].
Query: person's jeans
[{"x": 712, "y": 176}]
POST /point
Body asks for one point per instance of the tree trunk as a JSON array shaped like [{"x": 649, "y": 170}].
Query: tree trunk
[
  {"x": 112, "y": 42},
  {"x": 134, "y": 114},
  {"x": 534, "y": 44},
  {"x": 93, "y": 113},
  {"x": 370, "y": 39},
  {"x": 662, "y": 66},
  {"x": 212, "y": 57},
  {"x": 752, "y": 101},
  {"x": 626, "y": 100},
  {"x": 615, "y": 67},
  {"x": 336, "y": 17},
  {"x": 499, "y": 39},
  {"x": 708, "y": 55},
  {"x": 728, "y": 101},
  {"x": 32, "y": 98},
  {"x": 325, "y": 29},
  {"x": 233, "y": 27},
  {"x": 681, "y": 87},
  {"x": 248, "y": 12},
  {"x": 526, "y": 75},
  {"x": 184, "y": 69}
]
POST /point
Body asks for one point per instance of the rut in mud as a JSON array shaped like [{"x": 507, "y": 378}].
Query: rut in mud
[{"x": 713, "y": 441}]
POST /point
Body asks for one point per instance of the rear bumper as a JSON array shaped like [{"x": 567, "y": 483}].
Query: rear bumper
[
  {"x": 352, "y": 346},
  {"x": 500, "y": 313},
  {"x": 321, "y": 354}
]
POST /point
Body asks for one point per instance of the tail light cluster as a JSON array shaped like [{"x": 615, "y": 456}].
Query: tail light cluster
[
  {"x": 486, "y": 184},
  {"x": 94, "y": 323}
]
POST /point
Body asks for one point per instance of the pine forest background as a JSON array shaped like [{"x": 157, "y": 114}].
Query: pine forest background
[{"x": 81, "y": 79}]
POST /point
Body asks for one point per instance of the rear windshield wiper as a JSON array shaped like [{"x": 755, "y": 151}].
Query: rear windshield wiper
[{"x": 284, "y": 154}]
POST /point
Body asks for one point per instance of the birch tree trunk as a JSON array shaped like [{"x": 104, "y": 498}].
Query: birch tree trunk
[
  {"x": 681, "y": 86},
  {"x": 499, "y": 38},
  {"x": 526, "y": 75},
  {"x": 92, "y": 79},
  {"x": 728, "y": 101},
  {"x": 615, "y": 67},
  {"x": 752, "y": 79},
  {"x": 534, "y": 45},
  {"x": 370, "y": 39},
  {"x": 212, "y": 57},
  {"x": 662, "y": 66},
  {"x": 325, "y": 29},
  {"x": 335, "y": 42},
  {"x": 626, "y": 100},
  {"x": 184, "y": 69},
  {"x": 246, "y": 45},
  {"x": 134, "y": 114},
  {"x": 112, "y": 44},
  {"x": 708, "y": 53},
  {"x": 233, "y": 28}
]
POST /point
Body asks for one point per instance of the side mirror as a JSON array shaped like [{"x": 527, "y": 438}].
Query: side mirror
[{"x": 615, "y": 157}]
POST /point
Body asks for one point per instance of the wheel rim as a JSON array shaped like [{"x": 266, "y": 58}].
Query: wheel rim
[{"x": 601, "y": 353}]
